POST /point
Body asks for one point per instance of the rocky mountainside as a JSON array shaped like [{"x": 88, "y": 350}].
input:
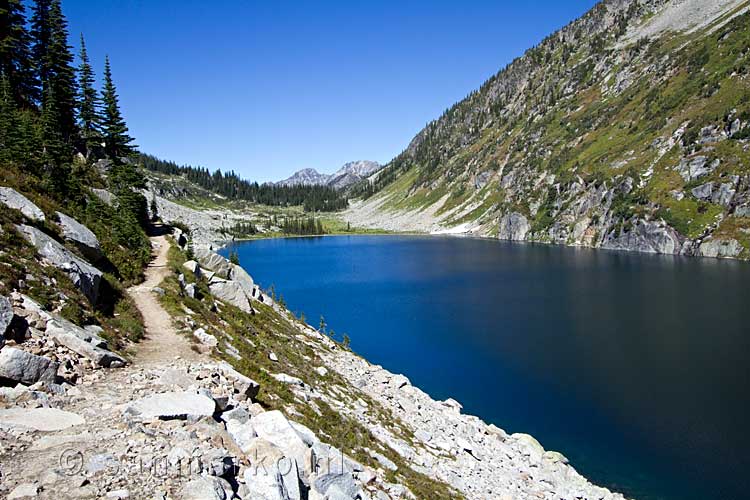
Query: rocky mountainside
[
  {"x": 348, "y": 175},
  {"x": 218, "y": 392},
  {"x": 627, "y": 129}
]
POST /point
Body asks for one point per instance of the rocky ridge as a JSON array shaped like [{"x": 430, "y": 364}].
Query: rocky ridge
[
  {"x": 348, "y": 175},
  {"x": 627, "y": 129}
]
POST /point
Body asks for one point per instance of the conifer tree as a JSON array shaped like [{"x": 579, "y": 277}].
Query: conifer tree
[
  {"x": 115, "y": 132},
  {"x": 53, "y": 62},
  {"x": 87, "y": 103},
  {"x": 56, "y": 153},
  {"x": 15, "y": 53}
]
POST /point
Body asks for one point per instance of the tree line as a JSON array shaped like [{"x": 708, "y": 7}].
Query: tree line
[
  {"x": 229, "y": 184},
  {"x": 54, "y": 122}
]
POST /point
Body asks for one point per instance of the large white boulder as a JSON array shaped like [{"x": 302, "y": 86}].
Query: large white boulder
[
  {"x": 173, "y": 405},
  {"x": 85, "y": 276},
  {"x": 21, "y": 366},
  {"x": 274, "y": 427},
  {"x": 80, "y": 235},
  {"x": 230, "y": 292},
  {"x": 13, "y": 199},
  {"x": 272, "y": 475}
]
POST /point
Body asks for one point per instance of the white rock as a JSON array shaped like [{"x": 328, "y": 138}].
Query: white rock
[
  {"x": 205, "y": 338},
  {"x": 118, "y": 494},
  {"x": 173, "y": 405},
  {"x": 13, "y": 199},
  {"x": 80, "y": 235},
  {"x": 322, "y": 371},
  {"x": 40, "y": 419},
  {"x": 84, "y": 276},
  {"x": 242, "y": 433},
  {"x": 206, "y": 488},
  {"x": 25, "y": 490},
  {"x": 272, "y": 356},
  {"x": 287, "y": 379}
]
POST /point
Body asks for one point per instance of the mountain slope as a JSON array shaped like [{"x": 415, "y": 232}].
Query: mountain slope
[
  {"x": 348, "y": 175},
  {"x": 627, "y": 129}
]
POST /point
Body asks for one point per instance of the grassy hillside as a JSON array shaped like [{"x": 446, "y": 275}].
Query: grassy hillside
[{"x": 589, "y": 137}]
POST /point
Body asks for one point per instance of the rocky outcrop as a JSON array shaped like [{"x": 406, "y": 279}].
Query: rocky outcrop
[
  {"x": 720, "y": 248},
  {"x": 83, "y": 275},
  {"x": 13, "y": 199},
  {"x": 644, "y": 236},
  {"x": 81, "y": 236},
  {"x": 513, "y": 227}
]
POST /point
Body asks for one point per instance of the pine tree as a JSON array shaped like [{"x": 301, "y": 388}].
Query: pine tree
[
  {"x": 56, "y": 153},
  {"x": 53, "y": 61},
  {"x": 63, "y": 82},
  {"x": 87, "y": 103},
  {"x": 116, "y": 138},
  {"x": 15, "y": 53}
]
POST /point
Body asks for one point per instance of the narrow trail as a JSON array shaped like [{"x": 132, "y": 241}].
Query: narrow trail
[{"x": 162, "y": 343}]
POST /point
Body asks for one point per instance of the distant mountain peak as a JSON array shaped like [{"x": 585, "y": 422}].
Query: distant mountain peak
[{"x": 350, "y": 173}]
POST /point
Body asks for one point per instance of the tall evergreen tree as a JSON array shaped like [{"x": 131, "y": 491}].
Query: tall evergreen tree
[
  {"x": 87, "y": 103},
  {"x": 41, "y": 34},
  {"x": 53, "y": 62},
  {"x": 15, "y": 53},
  {"x": 117, "y": 142}
]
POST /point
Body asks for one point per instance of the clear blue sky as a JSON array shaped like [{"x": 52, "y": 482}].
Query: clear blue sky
[{"x": 267, "y": 88}]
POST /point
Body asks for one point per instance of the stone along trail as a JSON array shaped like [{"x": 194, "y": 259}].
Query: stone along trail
[{"x": 110, "y": 435}]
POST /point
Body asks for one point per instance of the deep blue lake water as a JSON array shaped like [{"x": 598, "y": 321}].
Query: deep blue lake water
[{"x": 633, "y": 366}]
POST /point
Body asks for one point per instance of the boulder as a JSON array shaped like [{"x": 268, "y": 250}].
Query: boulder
[
  {"x": 168, "y": 405},
  {"x": 101, "y": 357},
  {"x": 57, "y": 325},
  {"x": 240, "y": 276},
  {"x": 205, "y": 338},
  {"x": 274, "y": 427},
  {"x": 207, "y": 488},
  {"x": 213, "y": 261},
  {"x": 20, "y": 366},
  {"x": 696, "y": 167},
  {"x": 81, "y": 236},
  {"x": 724, "y": 194},
  {"x": 193, "y": 267},
  {"x": 704, "y": 191},
  {"x": 85, "y": 276},
  {"x": 232, "y": 293},
  {"x": 40, "y": 419},
  {"x": 242, "y": 433},
  {"x": 6, "y": 317},
  {"x": 513, "y": 227},
  {"x": 24, "y": 490},
  {"x": 272, "y": 474},
  {"x": 13, "y": 199}
]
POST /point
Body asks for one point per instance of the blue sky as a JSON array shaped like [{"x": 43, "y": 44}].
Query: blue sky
[{"x": 267, "y": 88}]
